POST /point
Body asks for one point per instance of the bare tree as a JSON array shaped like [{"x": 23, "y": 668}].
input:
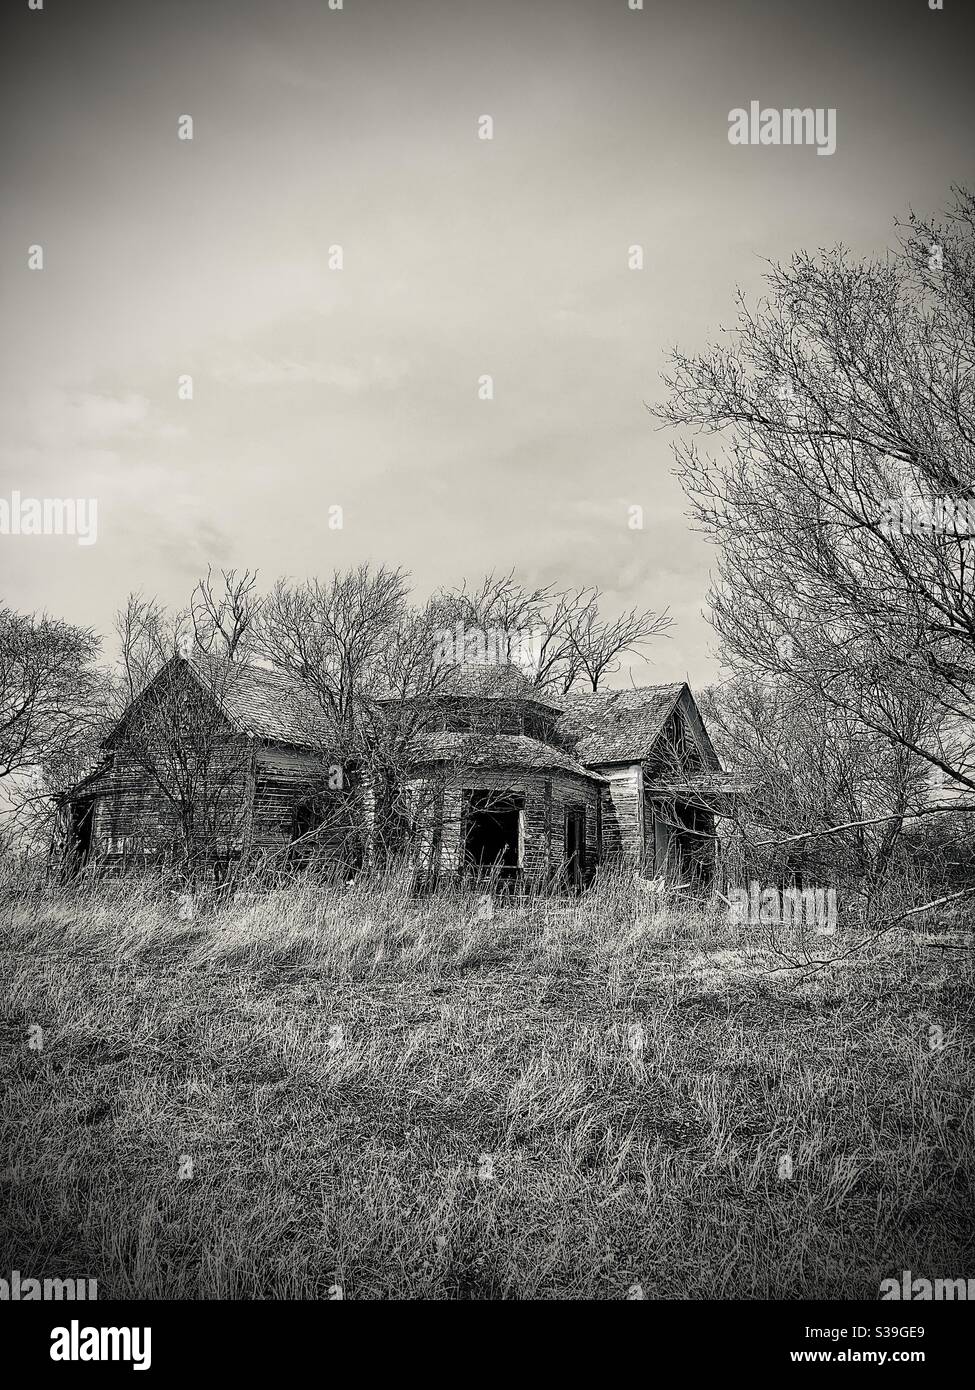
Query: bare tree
[
  {"x": 811, "y": 767},
  {"x": 224, "y": 620},
  {"x": 53, "y": 699},
  {"x": 332, "y": 635},
  {"x": 599, "y": 645},
  {"x": 47, "y": 683},
  {"x": 556, "y": 634},
  {"x": 513, "y": 622},
  {"x": 842, "y": 502},
  {"x": 147, "y": 636},
  {"x": 367, "y": 747}
]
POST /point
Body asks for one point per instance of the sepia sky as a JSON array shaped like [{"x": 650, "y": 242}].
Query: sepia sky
[{"x": 462, "y": 257}]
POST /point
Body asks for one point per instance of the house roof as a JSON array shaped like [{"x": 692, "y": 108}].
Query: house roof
[
  {"x": 489, "y": 681},
  {"x": 273, "y": 705},
  {"x": 619, "y": 726},
  {"x": 270, "y": 704},
  {"x": 496, "y": 750},
  {"x": 610, "y": 726}
]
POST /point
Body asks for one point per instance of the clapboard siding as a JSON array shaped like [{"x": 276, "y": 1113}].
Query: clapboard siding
[
  {"x": 624, "y": 814},
  {"x": 544, "y": 794}
]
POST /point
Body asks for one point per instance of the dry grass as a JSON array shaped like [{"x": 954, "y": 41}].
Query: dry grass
[{"x": 394, "y": 1098}]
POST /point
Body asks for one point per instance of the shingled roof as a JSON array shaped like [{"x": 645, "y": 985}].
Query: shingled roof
[
  {"x": 618, "y": 726},
  {"x": 492, "y": 681},
  {"x": 270, "y": 704},
  {"x": 495, "y": 750},
  {"x": 609, "y": 725}
]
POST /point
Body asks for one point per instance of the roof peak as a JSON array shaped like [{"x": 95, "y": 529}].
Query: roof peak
[
  {"x": 492, "y": 681},
  {"x": 609, "y": 693},
  {"x": 621, "y": 725}
]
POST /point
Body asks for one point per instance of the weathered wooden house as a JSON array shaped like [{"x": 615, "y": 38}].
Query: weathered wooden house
[
  {"x": 224, "y": 757},
  {"x": 665, "y": 785},
  {"x": 494, "y": 776}
]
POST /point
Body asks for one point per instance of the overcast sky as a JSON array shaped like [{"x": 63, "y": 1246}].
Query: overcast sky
[{"x": 462, "y": 257}]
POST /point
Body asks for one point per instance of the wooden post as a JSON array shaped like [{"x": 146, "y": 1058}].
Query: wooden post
[{"x": 250, "y": 795}]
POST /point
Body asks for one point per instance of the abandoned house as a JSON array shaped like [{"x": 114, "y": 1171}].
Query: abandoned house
[{"x": 484, "y": 774}]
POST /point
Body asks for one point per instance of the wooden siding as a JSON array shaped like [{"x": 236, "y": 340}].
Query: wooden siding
[
  {"x": 545, "y": 798},
  {"x": 624, "y": 815}
]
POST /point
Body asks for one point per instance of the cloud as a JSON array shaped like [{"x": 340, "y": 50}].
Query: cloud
[
  {"x": 345, "y": 377},
  {"x": 58, "y": 419}
]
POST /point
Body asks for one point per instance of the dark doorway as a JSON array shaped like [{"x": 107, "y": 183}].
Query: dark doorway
[
  {"x": 575, "y": 846},
  {"x": 492, "y": 832},
  {"x": 685, "y": 833},
  {"x": 82, "y": 826},
  {"x": 697, "y": 845},
  {"x": 307, "y": 816}
]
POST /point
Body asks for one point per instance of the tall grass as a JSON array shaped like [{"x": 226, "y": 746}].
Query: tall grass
[{"x": 311, "y": 1090}]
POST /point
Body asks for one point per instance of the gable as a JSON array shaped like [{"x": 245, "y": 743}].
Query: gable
[
  {"x": 171, "y": 681},
  {"x": 682, "y": 749},
  {"x": 628, "y": 726},
  {"x": 698, "y": 729},
  {"x": 273, "y": 706}
]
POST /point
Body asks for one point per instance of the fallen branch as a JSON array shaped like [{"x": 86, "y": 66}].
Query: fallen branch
[
  {"x": 856, "y": 824},
  {"x": 818, "y": 964}
]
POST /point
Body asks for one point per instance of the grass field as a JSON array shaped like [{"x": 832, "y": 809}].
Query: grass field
[{"x": 349, "y": 1092}]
